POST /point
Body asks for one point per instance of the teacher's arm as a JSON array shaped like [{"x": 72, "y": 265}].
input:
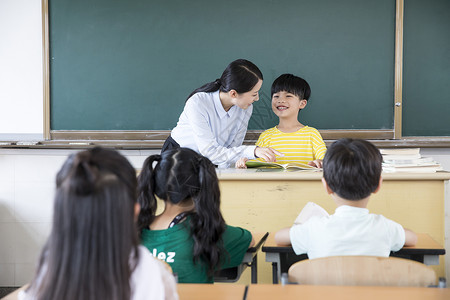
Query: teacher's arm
[
  {"x": 206, "y": 140},
  {"x": 260, "y": 151}
]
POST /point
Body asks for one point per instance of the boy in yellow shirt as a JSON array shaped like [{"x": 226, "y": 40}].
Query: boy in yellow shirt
[{"x": 299, "y": 143}]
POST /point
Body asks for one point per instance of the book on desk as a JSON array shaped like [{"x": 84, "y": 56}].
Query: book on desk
[
  {"x": 408, "y": 160},
  {"x": 287, "y": 166}
]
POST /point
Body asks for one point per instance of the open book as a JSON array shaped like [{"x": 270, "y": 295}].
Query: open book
[
  {"x": 311, "y": 209},
  {"x": 264, "y": 164}
]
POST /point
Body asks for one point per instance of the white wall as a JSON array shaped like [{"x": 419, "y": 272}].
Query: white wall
[
  {"x": 21, "y": 73},
  {"x": 27, "y": 184},
  {"x": 441, "y": 155}
]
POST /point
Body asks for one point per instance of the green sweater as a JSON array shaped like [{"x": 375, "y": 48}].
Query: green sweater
[{"x": 174, "y": 246}]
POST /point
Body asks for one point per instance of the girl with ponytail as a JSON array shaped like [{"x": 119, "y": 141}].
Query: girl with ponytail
[
  {"x": 190, "y": 234},
  {"x": 93, "y": 251},
  {"x": 215, "y": 117}
]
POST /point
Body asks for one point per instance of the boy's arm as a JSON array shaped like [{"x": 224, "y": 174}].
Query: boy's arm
[
  {"x": 319, "y": 147},
  {"x": 410, "y": 238},
  {"x": 282, "y": 237}
]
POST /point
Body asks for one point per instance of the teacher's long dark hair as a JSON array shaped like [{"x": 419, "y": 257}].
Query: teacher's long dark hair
[
  {"x": 240, "y": 75},
  {"x": 93, "y": 238},
  {"x": 179, "y": 175}
]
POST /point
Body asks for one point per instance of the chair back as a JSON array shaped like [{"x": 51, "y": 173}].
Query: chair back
[{"x": 362, "y": 270}]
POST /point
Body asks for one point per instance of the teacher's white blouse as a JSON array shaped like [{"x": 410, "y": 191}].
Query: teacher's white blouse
[{"x": 205, "y": 127}]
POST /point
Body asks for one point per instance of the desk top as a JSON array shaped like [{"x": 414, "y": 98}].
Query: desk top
[
  {"x": 273, "y": 291},
  {"x": 424, "y": 242},
  {"x": 210, "y": 291},
  {"x": 190, "y": 292},
  {"x": 278, "y": 174},
  {"x": 260, "y": 238},
  {"x": 288, "y": 292}
]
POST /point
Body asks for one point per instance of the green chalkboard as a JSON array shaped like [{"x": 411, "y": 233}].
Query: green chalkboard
[
  {"x": 130, "y": 64},
  {"x": 426, "y": 80}
]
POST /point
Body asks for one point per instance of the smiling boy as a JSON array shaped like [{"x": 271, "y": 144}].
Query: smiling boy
[{"x": 299, "y": 143}]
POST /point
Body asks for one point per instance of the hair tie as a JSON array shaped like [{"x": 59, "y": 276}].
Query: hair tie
[
  {"x": 201, "y": 160},
  {"x": 85, "y": 175},
  {"x": 157, "y": 158},
  {"x": 218, "y": 81}
]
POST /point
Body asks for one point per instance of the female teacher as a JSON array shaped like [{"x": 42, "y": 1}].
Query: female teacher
[{"x": 215, "y": 117}]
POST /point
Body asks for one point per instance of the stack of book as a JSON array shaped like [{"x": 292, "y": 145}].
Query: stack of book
[{"x": 408, "y": 160}]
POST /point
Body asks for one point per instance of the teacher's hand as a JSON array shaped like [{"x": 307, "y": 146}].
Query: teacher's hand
[
  {"x": 318, "y": 163},
  {"x": 240, "y": 164},
  {"x": 268, "y": 154}
]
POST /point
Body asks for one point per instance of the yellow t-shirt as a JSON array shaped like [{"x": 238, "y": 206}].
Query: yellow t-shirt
[{"x": 302, "y": 146}]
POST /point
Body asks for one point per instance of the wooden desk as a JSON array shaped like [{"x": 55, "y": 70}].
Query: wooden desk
[
  {"x": 188, "y": 291},
  {"x": 426, "y": 251},
  {"x": 282, "y": 257},
  {"x": 307, "y": 292},
  {"x": 250, "y": 259},
  {"x": 269, "y": 201}
]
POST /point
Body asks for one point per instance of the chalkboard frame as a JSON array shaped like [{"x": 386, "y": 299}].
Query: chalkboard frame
[{"x": 155, "y": 138}]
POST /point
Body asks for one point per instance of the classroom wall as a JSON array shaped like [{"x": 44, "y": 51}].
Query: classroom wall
[
  {"x": 27, "y": 184},
  {"x": 21, "y": 76}
]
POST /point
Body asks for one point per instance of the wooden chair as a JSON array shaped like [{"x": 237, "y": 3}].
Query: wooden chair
[{"x": 362, "y": 270}]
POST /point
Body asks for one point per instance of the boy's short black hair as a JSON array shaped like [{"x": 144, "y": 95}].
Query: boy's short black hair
[
  {"x": 352, "y": 168},
  {"x": 291, "y": 84}
]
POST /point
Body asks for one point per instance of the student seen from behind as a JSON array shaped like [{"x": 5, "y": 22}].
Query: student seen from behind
[
  {"x": 351, "y": 174},
  {"x": 190, "y": 234},
  {"x": 297, "y": 142},
  {"x": 93, "y": 251}
]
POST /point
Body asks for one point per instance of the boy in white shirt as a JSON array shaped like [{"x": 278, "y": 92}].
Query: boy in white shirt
[{"x": 351, "y": 173}]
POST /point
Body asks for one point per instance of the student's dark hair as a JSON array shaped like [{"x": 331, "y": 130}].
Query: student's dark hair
[
  {"x": 240, "y": 75},
  {"x": 352, "y": 168},
  {"x": 87, "y": 255},
  {"x": 179, "y": 175},
  {"x": 291, "y": 84}
]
